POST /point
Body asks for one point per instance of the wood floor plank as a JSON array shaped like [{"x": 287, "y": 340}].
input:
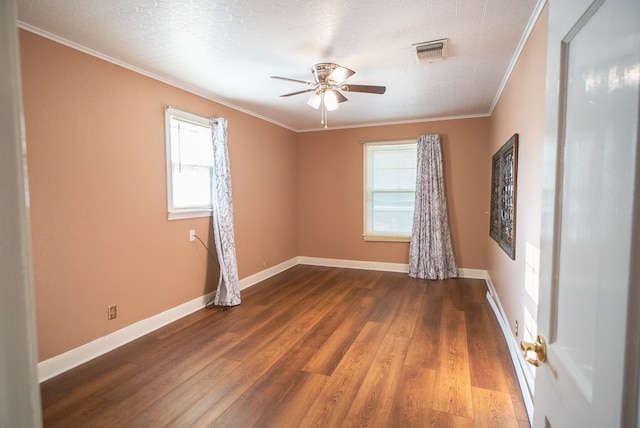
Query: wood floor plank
[
  {"x": 374, "y": 400},
  {"x": 333, "y": 402},
  {"x": 329, "y": 354},
  {"x": 298, "y": 310},
  {"x": 413, "y": 406},
  {"x": 292, "y": 408},
  {"x": 158, "y": 381},
  {"x": 179, "y": 325},
  {"x": 296, "y": 279},
  {"x": 181, "y": 399},
  {"x": 270, "y": 390},
  {"x": 333, "y": 319},
  {"x": 481, "y": 339},
  {"x": 408, "y": 312},
  {"x": 493, "y": 409},
  {"x": 85, "y": 413},
  {"x": 262, "y": 359},
  {"x": 424, "y": 350},
  {"x": 312, "y": 346},
  {"x": 453, "y": 380},
  {"x": 58, "y": 397}
]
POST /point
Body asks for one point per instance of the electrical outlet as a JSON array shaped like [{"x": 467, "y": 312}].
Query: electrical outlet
[
  {"x": 192, "y": 235},
  {"x": 112, "y": 312}
]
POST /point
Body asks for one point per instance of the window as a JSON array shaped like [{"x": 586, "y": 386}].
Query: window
[
  {"x": 389, "y": 190},
  {"x": 189, "y": 164}
]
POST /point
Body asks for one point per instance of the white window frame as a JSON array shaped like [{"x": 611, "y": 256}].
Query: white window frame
[
  {"x": 175, "y": 213},
  {"x": 368, "y": 234}
]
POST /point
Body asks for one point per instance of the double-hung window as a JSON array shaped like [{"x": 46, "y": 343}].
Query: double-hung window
[
  {"x": 389, "y": 190},
  {"x": 189, "y": 164}
]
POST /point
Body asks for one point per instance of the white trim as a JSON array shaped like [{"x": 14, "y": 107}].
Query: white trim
[
  {"x": 525, "y": 380},
  {"x": 209, "y": 96},
  {"x": 181, "y": 215},
  {"x": 171, "y": 113},
  {"x": 73, "y": 358},
  {"x": 176, "y": 84},
  {"x": 398, "y": 122},
  {"x": 472, "y": 273},
  {"x": 382, "y": 266},
  {"x": 353, "y": 264},
  {"x": 267, "y": 273},
  {"x": 369, "y": 148},
  {"x": 514, "y": 60}
]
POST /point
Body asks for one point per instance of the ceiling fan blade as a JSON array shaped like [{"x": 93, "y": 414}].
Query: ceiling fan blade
[
  {"x": 369, "y": 89},
  {"x": 297, "y": 92},
  {"x": 340, "y": 74},
  {"x": 293, "y": 80},
  {"x": 341, "y": 98}
]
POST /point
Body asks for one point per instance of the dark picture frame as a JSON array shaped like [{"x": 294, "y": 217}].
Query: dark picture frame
[{"x": 504, "y": 177}]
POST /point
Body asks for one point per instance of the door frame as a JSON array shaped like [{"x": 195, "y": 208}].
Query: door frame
[{"x": 19, "y": 390}]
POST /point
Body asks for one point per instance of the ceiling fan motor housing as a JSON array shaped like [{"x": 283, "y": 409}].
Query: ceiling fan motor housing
[
  {"x": 331, "y": 73},
  {"x": 322, "y": 70}
]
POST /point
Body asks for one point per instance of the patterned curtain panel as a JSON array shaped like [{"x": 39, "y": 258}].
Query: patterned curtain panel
[
  {"x": 430, "y": 251},
  {"x": 228, "y": 293}
]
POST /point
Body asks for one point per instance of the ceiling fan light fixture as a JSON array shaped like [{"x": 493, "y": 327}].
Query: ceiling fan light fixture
[
  {"x": 326, "y": 96},
  {"x": 330, "y": 100},
  {"x": 315, "y": 100}
]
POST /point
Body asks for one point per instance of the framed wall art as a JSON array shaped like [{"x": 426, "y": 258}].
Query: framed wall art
[{"x": 504, "y": 174}]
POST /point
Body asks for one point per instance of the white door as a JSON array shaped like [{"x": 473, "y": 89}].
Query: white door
[{"x": 590, "y": 217}]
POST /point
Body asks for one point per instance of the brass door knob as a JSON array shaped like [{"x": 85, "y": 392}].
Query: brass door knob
[{"x": 539, "y": 347}]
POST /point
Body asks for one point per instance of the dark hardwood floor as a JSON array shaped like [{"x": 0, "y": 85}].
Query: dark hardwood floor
[{"x": 312, "y": 346}]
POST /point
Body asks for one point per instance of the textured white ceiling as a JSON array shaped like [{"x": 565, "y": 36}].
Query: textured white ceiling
[{"x": 227, "y": 49}]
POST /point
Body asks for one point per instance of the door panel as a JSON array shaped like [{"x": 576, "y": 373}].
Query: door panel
[{"x": 588, "y": 210}]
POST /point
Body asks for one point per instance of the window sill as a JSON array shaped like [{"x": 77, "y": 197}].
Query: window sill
[
  {"x": 383, "y": 238},
  {"x": 180, "y": 215}
]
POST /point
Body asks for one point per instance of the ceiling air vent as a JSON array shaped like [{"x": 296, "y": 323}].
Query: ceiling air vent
[{"x": 435, "y": 50}]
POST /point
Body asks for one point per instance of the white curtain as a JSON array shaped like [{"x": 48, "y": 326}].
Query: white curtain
[
  {"x": 430, "y": 251},
  {"x": 228, "y": 293}
]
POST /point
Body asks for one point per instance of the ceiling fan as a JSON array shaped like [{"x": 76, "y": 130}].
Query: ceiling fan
[{"x": 328, "y": 82}]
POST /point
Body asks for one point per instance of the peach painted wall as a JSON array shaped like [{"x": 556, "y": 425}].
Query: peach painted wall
[
  {"x": 520, "y": 110},
  {"x": 330, "y": 190},
  {"x": 100, "y": 236},
  {"x": 96, "y": 164}
]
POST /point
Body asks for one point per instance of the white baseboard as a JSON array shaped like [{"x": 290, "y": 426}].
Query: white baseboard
[
  {"x": 77, "y": 356},
  {"x": 73, "y": 358},
  {"x": 353, "y": 264},
  {"x": 383, "y": 266},
  {"x": 525, "y": 379},
  {"x": 70, "y": 359},
  {"x": 267, "y": 273}
]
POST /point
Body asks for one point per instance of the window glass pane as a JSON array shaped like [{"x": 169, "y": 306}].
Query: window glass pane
[
  {"x": 392, "y": 212},
  {"x": 390, "y": 180},
  {"x": 191, "y": 187},
  {"x": 190, "y": 143},
  {"x": 385, "y": 157},
  {"x": 394, "y": 179},
  {"x": 189, "y": 164}
]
